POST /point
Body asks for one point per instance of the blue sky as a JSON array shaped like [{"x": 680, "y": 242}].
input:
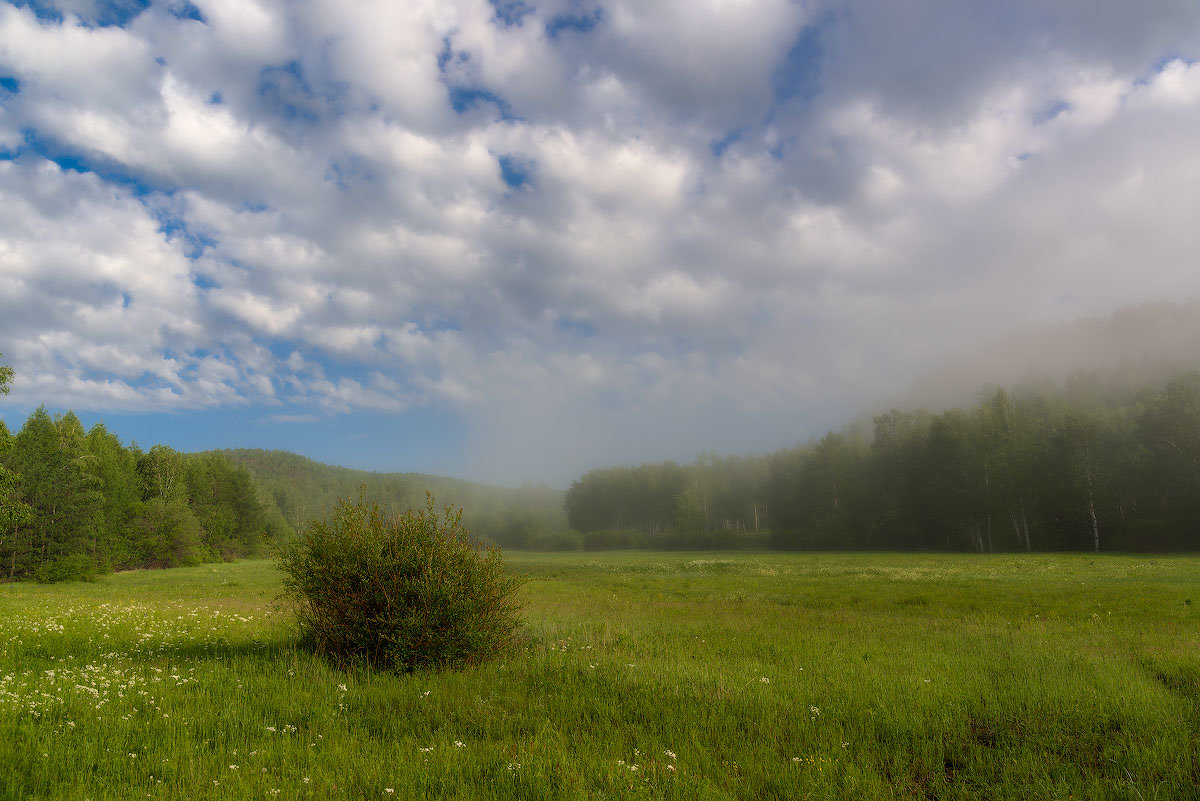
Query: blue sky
[{"x": 514, "y": 240}]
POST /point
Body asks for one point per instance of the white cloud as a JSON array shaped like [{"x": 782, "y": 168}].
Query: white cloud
[
  {"x": 259, "y": 312},
  {"x": 295, "y": 214},
  {"x": 1178, "y": 84}
]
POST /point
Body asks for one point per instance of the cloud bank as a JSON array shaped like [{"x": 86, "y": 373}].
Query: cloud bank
[{"x": 599, "y": 232}]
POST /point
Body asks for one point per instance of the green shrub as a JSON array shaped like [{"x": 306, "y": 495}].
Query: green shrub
[
  {"x": 547, "y": 540},
  {"x": 614, "y": 539},
  {"x": 399, "y": 591},
  {"x": 76, "y": 567}
]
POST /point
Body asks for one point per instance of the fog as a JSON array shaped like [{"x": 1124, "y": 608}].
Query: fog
[{"x": 1142, "y": 345}]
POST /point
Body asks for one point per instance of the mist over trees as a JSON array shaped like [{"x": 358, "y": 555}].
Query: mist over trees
[
  {"x": 1098, "y": 463},
  {"x": 1146, "y": 345},
  {"x": 718, "y": 502},
  {"x": 531, "y": 516}
]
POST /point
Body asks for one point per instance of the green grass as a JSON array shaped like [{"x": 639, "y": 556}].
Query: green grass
[{"x": 764, "y": 675}]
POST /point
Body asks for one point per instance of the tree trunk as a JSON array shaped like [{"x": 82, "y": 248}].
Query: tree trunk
[
  {"x": 1095, "y": 525},
  {"x": 987, "y": 499},
  {"x": 1025, "y": 525},
  {"x": 1091, "y": 497}
]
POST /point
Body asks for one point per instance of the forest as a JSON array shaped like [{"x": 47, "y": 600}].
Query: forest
[
  {"x": 1104, "y": 461},
  {"x": 75, "y": 503},
  {"x": 1100, "y": 463}
]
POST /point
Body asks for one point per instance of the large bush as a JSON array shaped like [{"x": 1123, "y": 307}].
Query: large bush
[
  {"x": 400, "y": 591},
  {"x": 73, "y": 567}
]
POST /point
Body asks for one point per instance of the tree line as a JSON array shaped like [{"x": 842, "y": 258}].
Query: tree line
[
  {"x": 1104, "y": 461},
  {"x": 76, "y": 502},
  {"x": 1098, "y": 463}
]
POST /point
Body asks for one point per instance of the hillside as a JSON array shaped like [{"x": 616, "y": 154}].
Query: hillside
[{"x": 303, "y": 489}]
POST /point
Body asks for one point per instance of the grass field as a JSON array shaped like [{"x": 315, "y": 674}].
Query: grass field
[{"x": 681, "y": 676}]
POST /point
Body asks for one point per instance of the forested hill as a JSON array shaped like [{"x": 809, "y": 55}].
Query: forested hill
[
  {"x": 1099, "y": 462},
  {"x": 76, "y": 502},
  {"x": 303, "y": 489}
]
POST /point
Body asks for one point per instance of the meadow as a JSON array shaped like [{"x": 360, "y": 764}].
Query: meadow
[{"x": 675, "y": 676}]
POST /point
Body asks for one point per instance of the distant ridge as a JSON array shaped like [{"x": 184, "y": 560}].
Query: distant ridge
[{"x": 303, "y": 489}]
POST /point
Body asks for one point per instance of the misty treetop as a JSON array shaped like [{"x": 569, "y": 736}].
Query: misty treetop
[
  {"x": 715, "y": 503},
  {"x": 76, "y": 502},
  {"x": 1100, "y": 463},
  {"x": 530, "y": 516}
]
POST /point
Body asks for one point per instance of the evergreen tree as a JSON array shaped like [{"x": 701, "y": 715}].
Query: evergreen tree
[
  {"x": 167, "y": 534},
  {"x": 14, "y": 513},
  {"x": 1169, "y": 431},
  {"x": 115, "y": 469},
  {"x": 63, "y": 496}
]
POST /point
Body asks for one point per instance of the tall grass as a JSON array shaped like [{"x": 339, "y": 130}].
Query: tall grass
[{"x": 677, "y": 676}]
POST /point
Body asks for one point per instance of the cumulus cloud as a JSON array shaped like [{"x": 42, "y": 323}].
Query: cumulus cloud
[{"x": 601, "y": 232}]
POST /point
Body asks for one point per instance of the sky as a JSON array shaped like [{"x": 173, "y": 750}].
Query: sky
[{"x": 515, "y": 240}]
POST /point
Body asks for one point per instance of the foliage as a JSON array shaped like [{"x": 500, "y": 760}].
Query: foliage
[
  {"x": 13, "y": 513},
  {"x": 403, "y": 591},
  {"x": 73, "y": 567},
  {"x": 545, "y": 540},
  {"x": 6, "y": 377},
  {"x": 76, "y": 502},
  {"x": 167, "y": 534},
  {"x": 714, "y": 500},
  {"x": 1101, "y": 463}
]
